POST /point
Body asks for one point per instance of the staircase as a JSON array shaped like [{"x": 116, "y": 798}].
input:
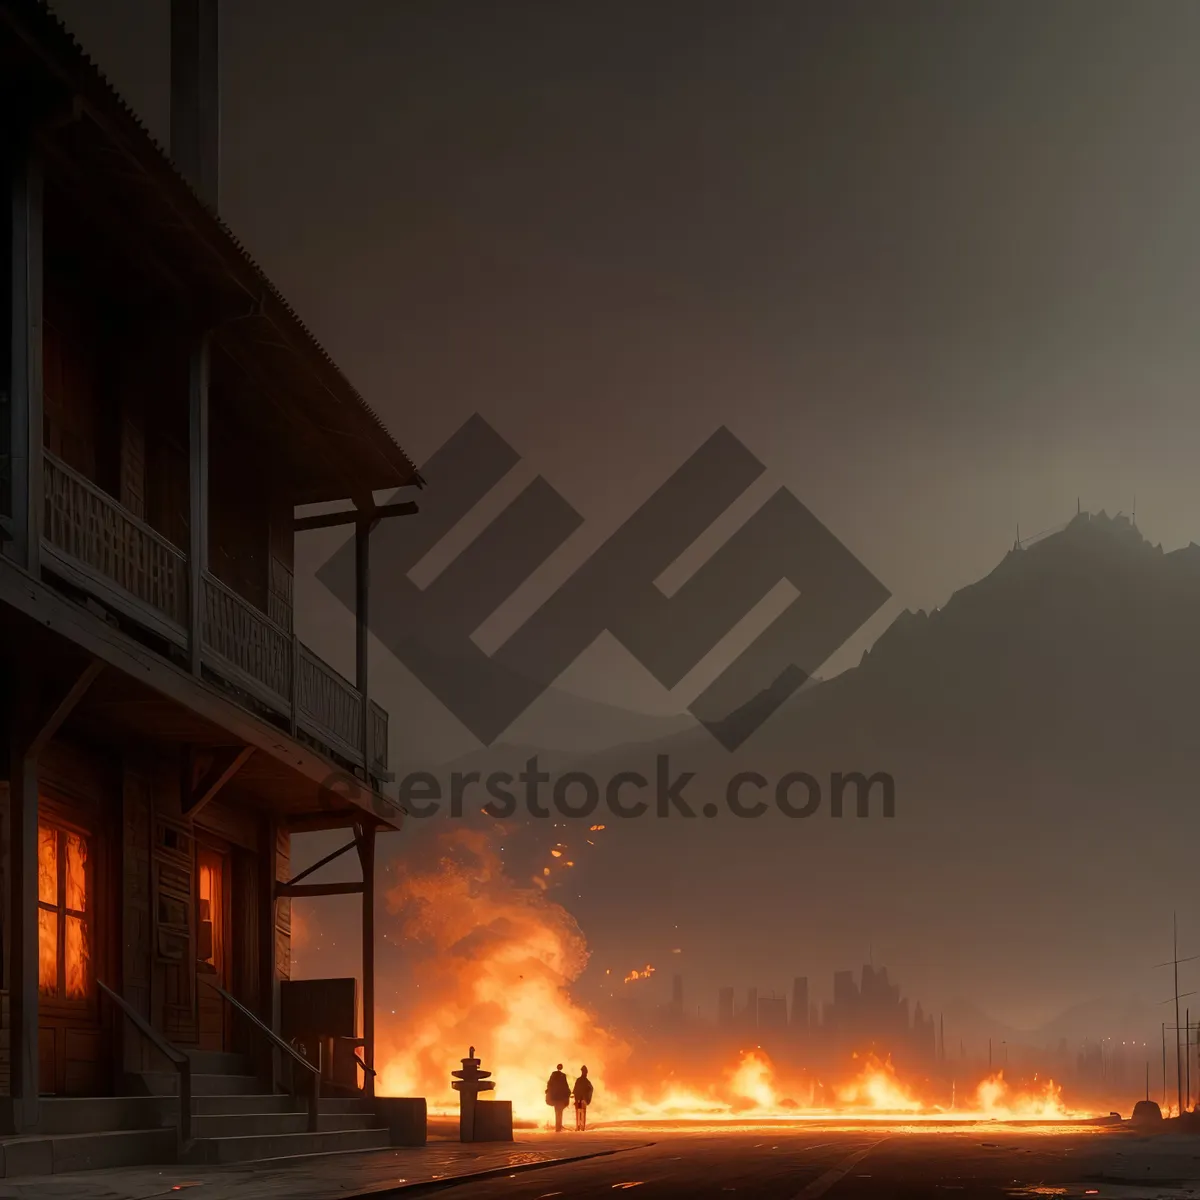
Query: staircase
[{"x": 233, "y": 1121}]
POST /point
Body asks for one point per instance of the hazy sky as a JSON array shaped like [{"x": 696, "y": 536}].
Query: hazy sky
[{"x": 937, "y": 264}]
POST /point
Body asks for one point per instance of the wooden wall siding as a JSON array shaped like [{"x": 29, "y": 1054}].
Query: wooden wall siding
[
  {"x": 283, "y": 908},
  {"x": 133, "y": 461},
  {"x": 239, "y": 516},
  {"x": 279, "y": 599},
  {"x": 154, "y": 400},
  {"x": 5, "y": 1069},
  {"x": 167, "y": 499},
  {"x": 243, "y": 940},
  {"x": 5, "y": 1026},
  {"x": 136, "y": 916},
  {"x": 72, "y": 418},
  {"x": 174, "y": 860},
  {"x": 88, "y": 777},
  {"x": 230, "y": 819},
  {"x": 282, "y": 557}
]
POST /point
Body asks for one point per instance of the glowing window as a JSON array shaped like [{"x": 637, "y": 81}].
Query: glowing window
[{"x": 64, "y": 895}]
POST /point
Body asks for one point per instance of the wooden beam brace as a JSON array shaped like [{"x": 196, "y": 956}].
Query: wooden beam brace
[
  {"x": 57, "y": 708},
  {"x": 226, "y": 764},
  {"x": 353, "y": 515},
  {"x": 318, "y": 865},
  {"x": 295, "y": 890}
]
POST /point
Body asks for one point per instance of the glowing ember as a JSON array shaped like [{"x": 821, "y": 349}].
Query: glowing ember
[{"x": 644, "y": 973}]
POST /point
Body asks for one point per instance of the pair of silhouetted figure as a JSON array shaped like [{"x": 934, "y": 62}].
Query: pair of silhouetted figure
[{"x": 559, "y": 1093}]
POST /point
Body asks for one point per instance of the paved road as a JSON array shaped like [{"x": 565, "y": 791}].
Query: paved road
[{"x": 864, "y": 1164}]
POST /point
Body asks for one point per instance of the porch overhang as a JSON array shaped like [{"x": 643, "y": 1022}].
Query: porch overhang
[{"x": 147, "y": 695}]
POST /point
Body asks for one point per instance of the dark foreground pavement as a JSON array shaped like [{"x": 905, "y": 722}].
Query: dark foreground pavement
[
  {"x": 865, "y": 1164},
  {"x": 775, "y": 1162}
]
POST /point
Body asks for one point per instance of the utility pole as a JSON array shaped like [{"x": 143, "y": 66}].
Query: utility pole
[
  {"x": 1178, "y": 1060},
  {"x": 1174, "y": 962},
  {"x": 1187, "y": 1041}
]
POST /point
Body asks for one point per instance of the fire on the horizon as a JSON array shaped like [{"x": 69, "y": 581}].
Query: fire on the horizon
[{"x": 488, "y": 963}]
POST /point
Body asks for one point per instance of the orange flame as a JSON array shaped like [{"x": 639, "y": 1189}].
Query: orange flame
[
  {"x": 489, "y": 965},
  {"x": 877, "y": 1087},
  {"x": 480, "y": 961}
]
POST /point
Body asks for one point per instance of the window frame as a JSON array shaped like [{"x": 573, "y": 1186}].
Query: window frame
[{"x": 65, "y": 829}]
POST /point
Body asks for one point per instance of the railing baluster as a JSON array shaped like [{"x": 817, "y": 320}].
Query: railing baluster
[{"x": 95, "y": 530}]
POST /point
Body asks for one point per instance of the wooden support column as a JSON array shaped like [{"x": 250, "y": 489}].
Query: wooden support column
[
  {"x": 268, "y": 985},
  {"x": 22, "y": 933},
  {"x": 197, "y": 496},
  {"x": 25, "y": 386},
  {"x": 362, "y": 588},
  {"x": 366, "y": 854}
]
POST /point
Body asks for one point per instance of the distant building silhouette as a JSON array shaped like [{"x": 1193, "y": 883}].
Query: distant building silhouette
[
  {"x": 772, "y": 1014},
  {"x": 725, "y": 1006},
  {"x": 677, "y": 998},
  {"x": 799, "y": 1019}
]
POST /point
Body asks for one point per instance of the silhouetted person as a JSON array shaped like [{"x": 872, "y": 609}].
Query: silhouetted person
[
  {"x": 558, "y": 1095},
  {"x": 583, "y": 1097}
]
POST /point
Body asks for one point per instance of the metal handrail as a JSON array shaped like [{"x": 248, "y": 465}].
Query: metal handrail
[
  {"x": 181, "y": 1062},
  {"x": 314, "y": 1082}
]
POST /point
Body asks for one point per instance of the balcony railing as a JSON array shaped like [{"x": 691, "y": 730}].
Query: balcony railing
[
  {"x": 139, "y": 567},
  {"x": 100, "y": 547},
  {"x": 246, "y": 645}
]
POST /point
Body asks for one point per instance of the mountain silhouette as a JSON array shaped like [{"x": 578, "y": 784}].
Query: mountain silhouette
[{"x": 1040, "y": 728}]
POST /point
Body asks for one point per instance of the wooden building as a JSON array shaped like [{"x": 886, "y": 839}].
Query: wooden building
[{"x": 162, "y": 728}]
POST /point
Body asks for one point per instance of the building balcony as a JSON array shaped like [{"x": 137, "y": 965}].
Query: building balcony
[{"x": 99, "y": 547}]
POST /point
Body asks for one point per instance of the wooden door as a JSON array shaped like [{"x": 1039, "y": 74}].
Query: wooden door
[
  {"x": 213, "y": 879},
  {"x": 71, "y": 1054}
]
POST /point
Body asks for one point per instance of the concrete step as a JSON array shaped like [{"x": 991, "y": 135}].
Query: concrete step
[
  {"x": 103, "y": 1114},
  {"x": 284, "y": 1145},
  {"x": 57, "y": 1154},
  {"x": 166, "y": 1083},
  {"x": 225, "y": 1105},
  {"x": 221, "y": 1125},
  {"x": 347, "y": 1104},
  {"x": 218, "y": 1062}
]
